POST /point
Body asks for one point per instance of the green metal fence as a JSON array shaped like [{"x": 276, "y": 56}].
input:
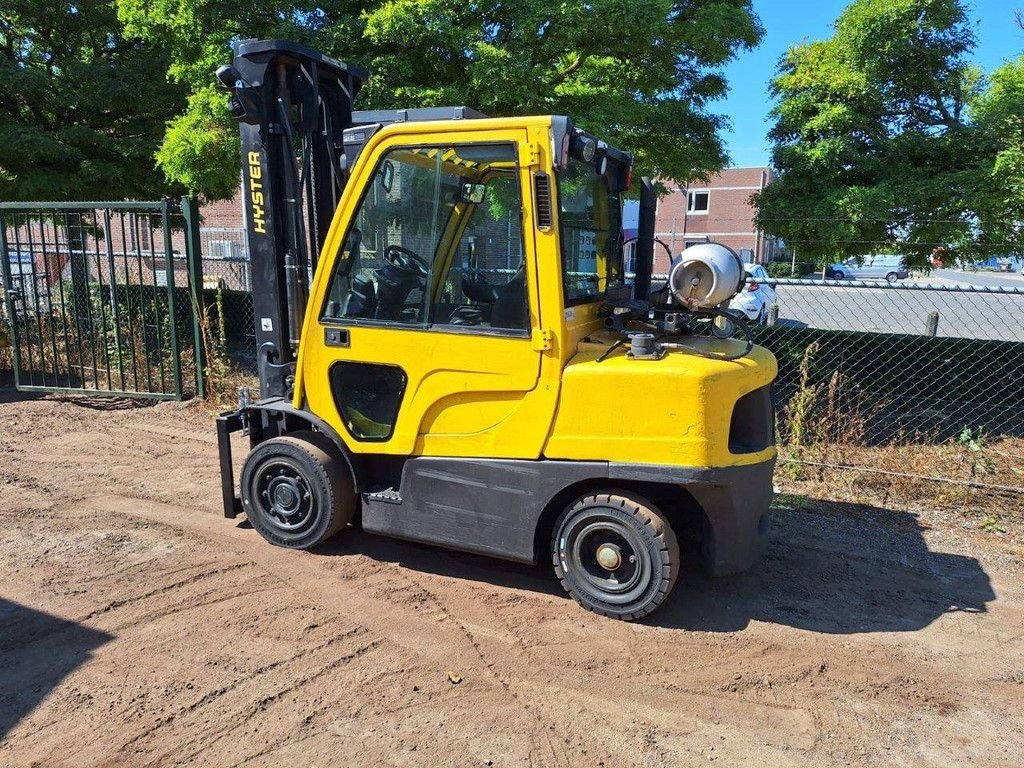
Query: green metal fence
[{"x": 100, "y": 297}]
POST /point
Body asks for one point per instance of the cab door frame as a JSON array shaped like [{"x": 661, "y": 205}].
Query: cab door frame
[{"x": 521, "y": 416}]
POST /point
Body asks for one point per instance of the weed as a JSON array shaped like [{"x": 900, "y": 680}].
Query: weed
[
  {"x": 991, "y": 524},
  {"x": 790, "y": 501},
  {"x": 222, "y": 378},
  {"x": 973, "y": 452}
]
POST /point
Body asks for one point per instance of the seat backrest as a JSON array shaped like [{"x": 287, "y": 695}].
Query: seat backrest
[{"x": 510, "y": 309}]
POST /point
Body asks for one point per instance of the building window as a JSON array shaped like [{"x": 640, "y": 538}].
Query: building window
[{"x": 697, "y": 201}]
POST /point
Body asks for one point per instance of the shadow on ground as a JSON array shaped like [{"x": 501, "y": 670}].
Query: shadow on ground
[
  {"x": 829, "y": 567},
  {"x": 99, "y": 402},
  {"x": 37, "y": 651}
]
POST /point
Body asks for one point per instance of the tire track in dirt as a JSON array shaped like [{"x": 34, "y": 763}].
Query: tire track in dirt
[
  {"x": 297, "y": 570},
  {"x": 405, "y": 608},
  {"x": 122, "y": 602},
  {"x": 559, "y": 756},
  {"x": 215, "y": 696},
  {"x": 239, "y": 718}
]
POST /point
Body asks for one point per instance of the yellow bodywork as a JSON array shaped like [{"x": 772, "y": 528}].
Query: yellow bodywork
[{"x": 538, "y": 395}]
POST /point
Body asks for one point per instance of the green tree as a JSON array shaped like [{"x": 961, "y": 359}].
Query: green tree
[
  {"x": 642, "y": 73},
  {"x": 83, "y": 107},
  {"x": 873, "y": 137},
  {"x": 999, "y": 116}
]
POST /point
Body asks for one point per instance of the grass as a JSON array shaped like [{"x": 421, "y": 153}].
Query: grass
[
  {"x": 985, "y": 506},
  {"x": 825, "y": 453}
]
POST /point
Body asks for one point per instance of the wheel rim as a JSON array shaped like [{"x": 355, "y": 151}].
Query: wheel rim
[
  {"x": 607, "y": 558},
  {"x": 284, "y": 496}
]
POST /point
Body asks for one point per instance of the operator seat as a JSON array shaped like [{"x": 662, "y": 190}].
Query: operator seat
[{"x": 510, "y": 310}]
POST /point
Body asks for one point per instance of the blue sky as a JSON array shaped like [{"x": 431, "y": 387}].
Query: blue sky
[{"x": 790, "y": 21}]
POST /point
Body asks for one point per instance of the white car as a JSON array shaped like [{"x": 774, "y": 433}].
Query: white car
[{"x": 756, "y": 297}]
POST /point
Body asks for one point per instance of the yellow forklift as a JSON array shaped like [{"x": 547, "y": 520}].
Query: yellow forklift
[{"x": 453, "y": 350}]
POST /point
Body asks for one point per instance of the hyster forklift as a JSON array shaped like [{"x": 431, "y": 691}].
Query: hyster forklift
[{"x": 449, "y": 350}]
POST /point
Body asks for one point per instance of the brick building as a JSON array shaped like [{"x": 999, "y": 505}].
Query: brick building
[{"x": 717, "y": 210}]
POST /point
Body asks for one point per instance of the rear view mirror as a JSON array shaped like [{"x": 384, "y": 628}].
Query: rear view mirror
[{"x": 473, "y": 194}]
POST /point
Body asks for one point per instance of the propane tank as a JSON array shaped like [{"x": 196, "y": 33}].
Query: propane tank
[{"x": 706, "y": 275}]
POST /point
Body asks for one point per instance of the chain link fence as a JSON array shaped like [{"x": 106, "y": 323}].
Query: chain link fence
[
  {"x": 919, "y": 380},
  {"x": 913, "y": 387},
  {"x": 227, "y": 289}
]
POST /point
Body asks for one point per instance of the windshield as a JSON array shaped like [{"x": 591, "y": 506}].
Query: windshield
[{"x": 590, "y": 225}]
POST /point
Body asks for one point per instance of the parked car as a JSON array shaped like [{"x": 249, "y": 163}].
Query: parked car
[
  {"x": 883, "y": 266},
  {"x": 756, "y": 297}
]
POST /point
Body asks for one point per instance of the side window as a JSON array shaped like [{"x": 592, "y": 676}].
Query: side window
[
  {"x": 486, "y": 281},
  {"x": 590, "y": 223},
  {"x": 437, "y": 240}
]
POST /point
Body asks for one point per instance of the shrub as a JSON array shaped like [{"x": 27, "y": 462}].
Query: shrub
[{"x": 785, "y": 268}]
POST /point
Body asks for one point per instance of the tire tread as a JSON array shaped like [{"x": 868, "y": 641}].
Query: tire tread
[{"x": 645, "y": 515}]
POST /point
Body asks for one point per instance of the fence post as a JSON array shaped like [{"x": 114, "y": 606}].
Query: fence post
[
  {"x": 114, "y": 304},
  {"x": 165, "y": 210},
  {"x": 194, "y": 258},
  {"x": 7, "y": 285},
  {"x": 773, "y": 315},
  {"x": 932, "y": 325}
]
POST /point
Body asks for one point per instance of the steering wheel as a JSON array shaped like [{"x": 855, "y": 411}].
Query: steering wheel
[
  {"x": 406, "y": 260},
  {"x": 466, "y": 314}
]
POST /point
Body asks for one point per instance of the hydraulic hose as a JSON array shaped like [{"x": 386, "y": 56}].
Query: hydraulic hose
[{"x": 715, "y": 312}]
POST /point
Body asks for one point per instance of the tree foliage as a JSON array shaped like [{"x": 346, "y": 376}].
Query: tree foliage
[
  {"x": 83, "y": 107},
  {"x": 642, "y": 73},
  {"x": 886, "y": 138},
  {"x": 999, "y": 115}
]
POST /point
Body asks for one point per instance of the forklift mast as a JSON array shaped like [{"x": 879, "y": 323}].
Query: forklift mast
[{"x": 293, "y": 105}]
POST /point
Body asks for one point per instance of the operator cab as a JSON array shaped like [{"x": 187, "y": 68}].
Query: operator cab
[{"x": 438, "y": 236}]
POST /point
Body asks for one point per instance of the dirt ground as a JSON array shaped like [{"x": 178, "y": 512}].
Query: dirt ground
[{"x": 138, "y": 627}]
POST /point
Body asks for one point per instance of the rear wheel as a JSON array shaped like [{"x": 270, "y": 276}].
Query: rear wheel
[
  {"x": 891, "y": 278},
  {"x": 295, "y": 490},
  {"x": 616, "y": 554}
]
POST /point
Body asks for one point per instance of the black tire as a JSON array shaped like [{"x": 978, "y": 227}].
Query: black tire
[
  {"x": 616, "y": 525},
  {"x": 838, "y": 274},
  {"x": 296, "y": 491},
  {"x": 891, "y": 278}
]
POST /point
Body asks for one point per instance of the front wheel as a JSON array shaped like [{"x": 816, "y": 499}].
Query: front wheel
[
  {"x": 616, "y": 554},
  {"x": 295, "y": 491},
  {"x": 891, "y": 278},
  {"x": 838, "y": 275}
]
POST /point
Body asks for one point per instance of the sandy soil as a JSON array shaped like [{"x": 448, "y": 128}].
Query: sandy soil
[{"x": 138, "y": 627}]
